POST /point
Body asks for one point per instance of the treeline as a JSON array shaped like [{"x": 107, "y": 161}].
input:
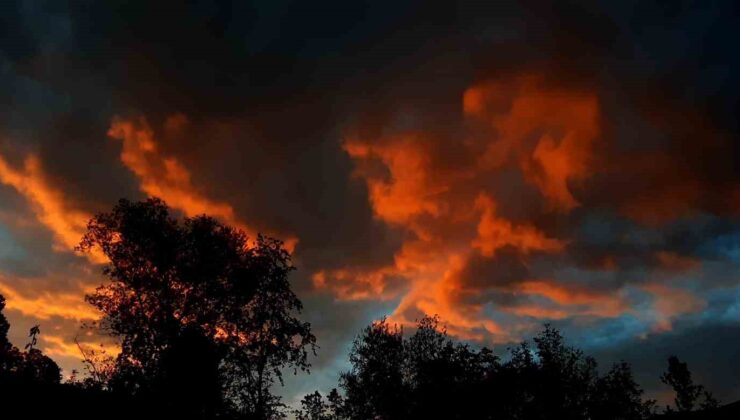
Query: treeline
[
  {"x": 29, "y": 365},
  {"x": 205, "y": 318},
  {"x": 207, "y": 324},
  {"x": 428, "y": 375}
]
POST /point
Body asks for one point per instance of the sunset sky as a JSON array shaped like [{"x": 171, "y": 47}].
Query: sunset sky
[{"x": 500, "y": 164}]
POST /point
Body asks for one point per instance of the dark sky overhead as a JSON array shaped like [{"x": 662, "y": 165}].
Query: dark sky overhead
[{"x": 500, "y": 164}]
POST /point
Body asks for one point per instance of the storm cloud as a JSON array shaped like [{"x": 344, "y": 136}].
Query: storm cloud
[{"x": 500, "y": 164}]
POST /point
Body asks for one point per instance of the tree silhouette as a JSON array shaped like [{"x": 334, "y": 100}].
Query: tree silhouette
[
  {"x": 4, "y": 327},
  {"x": 688, "y": 394},
  {"x": 99, "y": 366},
  {"x": 37, "y": 367},
  {"x": 9, "y": 355},
  {"x": 428, "y": 375},
  {"x": 563, "y": 378},
  {"x": 31, "y": 365},
  {"x": 616, "y": 395},
  {"x": 396, "y": 378},
  {"x": 33, "y": 335},
  {"x": 313, "y": 407},
  {"x": 437, "y": 369},
  {"x": 206, "y": 318},
  {"x": 375, "y": 386}
]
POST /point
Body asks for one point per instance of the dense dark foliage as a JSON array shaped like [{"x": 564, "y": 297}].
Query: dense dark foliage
[
  {"x": 427, "y": 375},
  {"x": 688, "y": 394},
  {"x": 31, "y": 365},
  {"x": 206, "y": 318}
]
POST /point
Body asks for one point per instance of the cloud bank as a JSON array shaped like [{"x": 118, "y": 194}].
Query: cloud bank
[{"x": 501, "y": 165}]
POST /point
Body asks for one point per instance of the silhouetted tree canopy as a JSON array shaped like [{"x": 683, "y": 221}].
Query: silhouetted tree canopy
[
  {"x": 427, "y": 375},
  {"x": 616, "y": 395},
  {"x": 206, "y": 318},
  {"x": 9, "y": 355},
  {"x": 207, "y": 322},
  {"x": 688, "y": 394},
  {"x": 313, "y": 407},
  {"x": 4, "y": 328},
  {"x": 31, "y": 365}
]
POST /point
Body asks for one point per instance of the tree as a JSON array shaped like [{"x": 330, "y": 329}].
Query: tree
[
  {"x": 31, "y": 365},
  {"x": 617, "y": 396},
  {"x": 396, "y": 377},
  {"x": 201, "y": 311},
  {"x": 428, "y": 375},
  {"x": 313, "y": 407},
  {"x": 98, "y": 364},
  {"x": 4, "y": 328},
  {"x": 9, "y": 355},
  {"x": 374, "y": 387},
  {"x": 438, "y": 369},
  {"x": 688, "y": 394},
  {"x": 38, "y": 367},
  {"x": 564, "y": 377}
]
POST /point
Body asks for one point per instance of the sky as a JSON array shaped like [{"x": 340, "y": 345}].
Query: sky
[{"x": 500, "y": 164}]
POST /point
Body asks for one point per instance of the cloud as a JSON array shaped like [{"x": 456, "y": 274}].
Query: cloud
[
  {"x": 56, "y": 346},
  {"x": 563, "y": 123},
  {"x": 671, "y": 302},
  {"x": 678, "y": 263},
  {"x": 67, "y": 223},
  {"x": 709, "y": 351},
  {"x": 46, "y": 304},
  {"x": 604, "y": 150},
  {"x": 447, "y": 192},
  {"x": 495, "y": 233},
  {"x": 438, "y": 191},
  {"x": 165, "y": 176},
  {"x": 577, "y": 300}
]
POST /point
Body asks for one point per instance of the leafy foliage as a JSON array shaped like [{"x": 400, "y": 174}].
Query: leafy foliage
[
  {"x": 200, "y": 311},
  {"x": 688, "y": 394},
  {"x": 313, "y": 407},
  {"x": 31, "y": 365},
  {"x": 616, "y": 395},
  {"x": 427, "y": 375}
]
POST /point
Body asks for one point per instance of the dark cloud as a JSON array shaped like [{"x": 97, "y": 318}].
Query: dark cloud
[
  {"x": 710, "y": 351},
  {"x": 273, "y": 91}
]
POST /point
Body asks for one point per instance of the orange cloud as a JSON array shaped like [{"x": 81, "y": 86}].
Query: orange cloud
[
  {"x": 537, "y": 311},
  {"x": 495, "y": 232},
  {"x": 57, "y": 346},
  {"x": 67, "y": 223},
  {"x": 434, "y": 292},
  {"x": 165, "y": 176},
  {"x": 563, "y": 123},
  {"x": 413, "y": 188},
  {"x": 446, "y": 207},
  {"x": 674, "y": 262},
  {"x": 355, "y": 284},
  {"x": 45, "y": 304},
  {"x": 603, "y": 304},
  {"x": 670, "y": 302},
  {"x": 161, "y": 176},
  {"x": 450, "y": 213}
]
